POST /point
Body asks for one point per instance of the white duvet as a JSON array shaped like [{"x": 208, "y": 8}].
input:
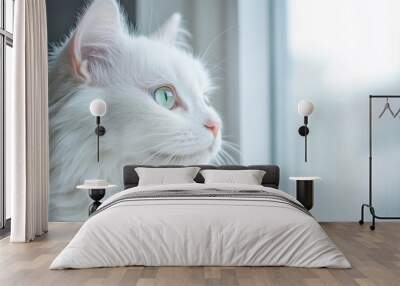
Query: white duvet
[{"x": 199, "y": 231}]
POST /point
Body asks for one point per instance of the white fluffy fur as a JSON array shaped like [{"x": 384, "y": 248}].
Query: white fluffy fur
[{"x": 101, "y": 59}]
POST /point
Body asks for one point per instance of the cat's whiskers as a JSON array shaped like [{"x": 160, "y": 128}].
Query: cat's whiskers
[
  {"x": 172, "y": 159},
  {"x": 151, "y": 157},
  {"x": 173, "y": 139},
  {"x": 217, "y": 160},
  {"x": 232, "y": 146},
  {"x": 216, "y": 70},
  {"x": 194, "y": 146},
  {"x": 150, "y": 149},
  {"x": 212, "y": 42},
  {"x": 163, "y": 153},
  {"x": 223, "y": 156},
  {"x": 157, "y": 136},
  {"x": 228, "y": 156}
]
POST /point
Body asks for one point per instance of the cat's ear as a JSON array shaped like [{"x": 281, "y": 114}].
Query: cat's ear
[
  {"x": 170, "y": 30},
  {"x": 94, "y": 42}
]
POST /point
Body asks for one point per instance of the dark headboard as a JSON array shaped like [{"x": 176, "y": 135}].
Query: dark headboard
[{"x": 271, "y": 177}]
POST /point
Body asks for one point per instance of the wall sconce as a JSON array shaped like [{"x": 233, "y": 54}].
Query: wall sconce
[
  {"x": 98, "y": 108},
  {"x": 305, "y": 108}
]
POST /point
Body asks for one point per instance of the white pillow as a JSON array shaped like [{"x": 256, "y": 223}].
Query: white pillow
[
  {"x": 248, "y": 177},
  {"x": 165, "y": 176}
]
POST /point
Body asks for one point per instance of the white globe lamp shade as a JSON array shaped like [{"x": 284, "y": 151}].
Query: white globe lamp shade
[
  {"x": 98, "y": 107},
  {"x": 305, "y": 107}
]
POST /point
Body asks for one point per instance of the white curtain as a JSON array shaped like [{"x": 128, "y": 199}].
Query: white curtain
[{"x": 27, "y": 124}]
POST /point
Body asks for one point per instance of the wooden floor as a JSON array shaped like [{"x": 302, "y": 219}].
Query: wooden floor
[{"x": 375, "y": 257}]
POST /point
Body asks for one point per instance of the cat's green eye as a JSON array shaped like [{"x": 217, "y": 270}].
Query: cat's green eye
[{"x": 165, "y": 96}]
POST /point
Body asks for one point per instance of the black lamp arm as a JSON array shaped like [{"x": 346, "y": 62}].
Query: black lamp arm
[
  {"x": 99, "y": 131},
  {"x": 304, "y": 131}
]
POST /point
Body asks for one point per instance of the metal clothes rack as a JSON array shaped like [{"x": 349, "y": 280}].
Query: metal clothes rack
[{"x": 370, "y": 205}]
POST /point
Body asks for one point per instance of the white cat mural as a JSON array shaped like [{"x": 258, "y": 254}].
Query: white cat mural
[{"x": 157, "y": 101}]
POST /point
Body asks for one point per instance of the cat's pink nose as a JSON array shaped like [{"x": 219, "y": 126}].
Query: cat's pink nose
[{"x": 212, "y": 126}]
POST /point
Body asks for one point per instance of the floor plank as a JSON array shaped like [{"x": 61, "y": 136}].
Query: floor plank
[{"x": 375, "y": 257}]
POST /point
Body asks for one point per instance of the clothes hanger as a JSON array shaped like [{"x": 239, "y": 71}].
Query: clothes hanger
[
  {"x": 387, "y": 107},
  {"x": 397, "y": 113}
]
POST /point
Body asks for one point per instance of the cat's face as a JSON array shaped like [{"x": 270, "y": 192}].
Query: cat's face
[
  {"x": 167, "y": 89},
  {"x": 156, "y": 93}
]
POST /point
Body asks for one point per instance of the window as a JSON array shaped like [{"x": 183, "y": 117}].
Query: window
[
  {"x": 336, "y": 53},
  {"x": 6, "y": 44}
]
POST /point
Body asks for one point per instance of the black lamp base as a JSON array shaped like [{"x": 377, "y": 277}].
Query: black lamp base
[
  {"x": 96, "y": 195},
  {"x": 305, "y": 193}
]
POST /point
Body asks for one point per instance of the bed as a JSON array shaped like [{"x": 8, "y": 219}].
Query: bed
[{"x": 198, "y": 224}]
